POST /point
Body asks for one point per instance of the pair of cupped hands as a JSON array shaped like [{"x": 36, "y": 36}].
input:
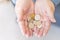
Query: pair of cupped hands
[{"x": 43, "y": 7}]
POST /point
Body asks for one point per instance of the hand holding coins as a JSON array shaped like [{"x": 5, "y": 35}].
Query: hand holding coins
[{"x": 35, "y": 18}]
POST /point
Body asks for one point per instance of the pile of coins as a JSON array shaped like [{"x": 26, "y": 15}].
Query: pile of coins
[{"x": 34, "y": 20}]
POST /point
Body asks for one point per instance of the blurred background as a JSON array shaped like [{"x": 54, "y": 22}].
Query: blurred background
[{"x": 9, "y": 29}]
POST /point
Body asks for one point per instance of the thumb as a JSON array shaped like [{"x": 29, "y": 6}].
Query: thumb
[
  {"x": 52, "y": 19},
  {"x": 51, "y": 16}
]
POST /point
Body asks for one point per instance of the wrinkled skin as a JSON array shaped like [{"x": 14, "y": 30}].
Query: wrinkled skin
[{"x": 46, "y": 9}]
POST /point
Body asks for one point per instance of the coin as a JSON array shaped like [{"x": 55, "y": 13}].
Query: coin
[
  {"x": 31, "y": 25},
  {"x": 37, "y": 17}
]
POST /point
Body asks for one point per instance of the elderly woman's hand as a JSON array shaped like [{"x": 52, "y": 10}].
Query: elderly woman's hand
[{"x": 46, "y": 9}]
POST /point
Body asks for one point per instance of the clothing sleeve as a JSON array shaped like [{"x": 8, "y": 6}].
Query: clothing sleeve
[
  {"x": 13, "y": 2},
  {"x": 56, "y": 2}
]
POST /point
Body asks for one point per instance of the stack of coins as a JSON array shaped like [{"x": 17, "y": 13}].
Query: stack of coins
[{"x": 34, "y": 20}]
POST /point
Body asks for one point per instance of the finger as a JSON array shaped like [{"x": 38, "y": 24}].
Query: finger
[
  {"x": 28, "y": 33},
  {"x": 40, "y": 33},
  {"x": 49, "y": 11},
  {"x": 31, "y": 32},
  {"x": 28, "y": 30},
  {"x": 46, "y": 28},
  {"x": 23, "y": 26},
  {"x": 36, "y": 31},
  {"x": 49, "y": 15}
]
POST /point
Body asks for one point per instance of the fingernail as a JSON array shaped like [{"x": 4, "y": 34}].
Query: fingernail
[
  {"x": 35, "y": 34},
  {"x": 43, "y": 34},
  {"x": 53, "y": 20},
  {"x": 26, "y": 35},
  {"x": 38, "y": 36}
]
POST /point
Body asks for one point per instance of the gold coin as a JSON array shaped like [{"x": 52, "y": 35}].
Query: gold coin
[
  {"x": 31, "y": 25},
  {"x": 31, "y": 16}
]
